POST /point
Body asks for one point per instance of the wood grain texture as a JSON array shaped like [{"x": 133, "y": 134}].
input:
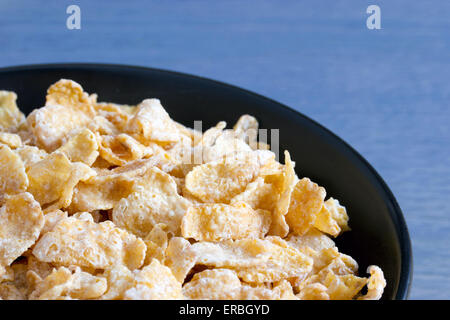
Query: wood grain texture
[{"x": 386, "y": 92}]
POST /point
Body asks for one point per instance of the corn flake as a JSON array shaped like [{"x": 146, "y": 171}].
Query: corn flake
[
  {"x": 21, "y": 221},
  {"x": 154, "y": 282},
  {"x": 306, "y": 201},
  {"x": 81, "y": 147},
  {"x": 119, "y": 279},
  {"x": 10, "y": 116},
  {"x": 156, "y": 241},
  {"x": 154, "y": 200},
  {"x": 108, "y": 187},
  {"x": 84, "y": 243},
  {"x": 215, "y": 284},
  {"x": 68, "y": 93},
  {"x": 36, "y": 271},
  {"x": 10, "y": 292},
  {"x": 224, "y": 284},
  {"x": 225, "y": 146},
  {"x": 255, "y": 260},
  {"x": 259, "y": 195},
  {"x": 314, "y": 291},
  {"x": 30, "y": 155},
  {"x": 12, "y": 140},
  {"x": 69, "y": 284},
  {"x": 375, "y": 284},
  {"x": 118, "y": 115},
  {"x": 153, "y": 123},
  {"x": 52, "y": 218},
  {"x": 13, "y": 178},
  {"x": 215, "y": 222},
  {"x": 246, "y": 129},
  {"x": 54, "y": 178},
  {"x": 332, "y": 219},
  {"x": 180, "y": 257},
  {"x": 289, "y": 179},
  {"x": 221, "y": 181},
  {"x": 122, "y": 148},
  {"x": 53, "y": 125}
]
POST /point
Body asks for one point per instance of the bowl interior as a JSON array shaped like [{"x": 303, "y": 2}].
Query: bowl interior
[{"x": 379, "y": 234}]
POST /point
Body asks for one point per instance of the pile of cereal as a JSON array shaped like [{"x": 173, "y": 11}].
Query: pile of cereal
[{"x": 106, "y": 201}]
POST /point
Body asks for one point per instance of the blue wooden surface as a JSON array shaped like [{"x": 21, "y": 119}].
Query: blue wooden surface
[{"x": 386, "y": 92}]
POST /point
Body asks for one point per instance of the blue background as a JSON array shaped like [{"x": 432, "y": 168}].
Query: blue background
[{"x": 386, "y": 92}]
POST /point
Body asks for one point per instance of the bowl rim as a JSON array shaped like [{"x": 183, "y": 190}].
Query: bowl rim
[{"x": 406, "y": 270}]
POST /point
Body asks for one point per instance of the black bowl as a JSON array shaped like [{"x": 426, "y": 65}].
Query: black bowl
[{"x": 379, "y": 234}]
